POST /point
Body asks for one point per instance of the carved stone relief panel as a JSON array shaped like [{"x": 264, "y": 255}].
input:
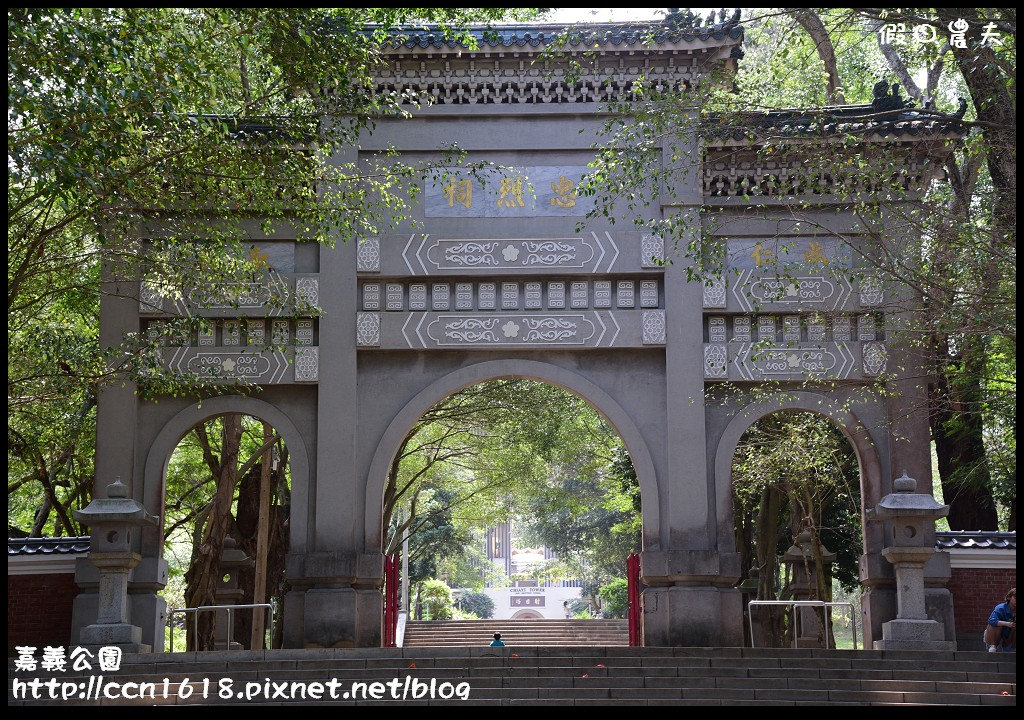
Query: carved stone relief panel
[
  {"x": 463, "y": 296},
  {"x": 816, "y": 329},
  {"x": 842, "y": 329},
  {"x": 654, "y": 327},
  {"x": 367, "y": 329},
  {"x": 873, "y": 358},
  {"x": 791, "y": 328},
  {"x": 418, "y": 296},
  {"x": 578, "y": 295},
  {"x": 368, "y": 255},
  {"x": 714, "y": 292},
  {"x": 303, "y": 332},
  {"x": 440, "y": 296},
  {"x": 509, "y": 296},
  {"x": 624, "y": 294},
  {"x": 652, "y": 251},
  {"x": 394, "y": 293},
  {"x": 208, "y": 336},
  {"x": 371, "y": 296},
  {"x": 307, "y": 364},
  {"x": 716, "y": 330},
  {"x": 487, "y": 296},
  {"x": 533, "y": 299},
  {"x": 741, "y": 329},
  {"x": 232, "y": 333},
  {"x": 280, "y": 332},
  {"x": 648, "y": 293},
  {"x": 866, "y": 328},
  {"x": 556, "y": 295},
  {"x": 256, "y": 332},
  {"x": 716, "y": 360},
  {"x": 871, "y": 292}
]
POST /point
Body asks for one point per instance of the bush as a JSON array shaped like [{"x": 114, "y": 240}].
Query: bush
[
  {"x": 437, "y": 600},
  {"x": 477, "y": 603},
  {"x": 616, "y": 598}
]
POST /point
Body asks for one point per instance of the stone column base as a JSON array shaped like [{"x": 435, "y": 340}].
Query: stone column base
[
  {"x": 692, "y": 616},
  {"x": 125, "y": 636},
  {"x": 335, "y": 600},
  {"x": 914, "y": 635},
  {"x": 342, "y": 618}
]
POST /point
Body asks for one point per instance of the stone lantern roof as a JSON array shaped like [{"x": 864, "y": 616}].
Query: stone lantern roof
[{"x": 906, "y": 501}]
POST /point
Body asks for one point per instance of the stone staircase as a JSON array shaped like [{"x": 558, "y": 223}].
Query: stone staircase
[
  {"x": 547, "y": 633},
  {"x": 556, "y": 676}
]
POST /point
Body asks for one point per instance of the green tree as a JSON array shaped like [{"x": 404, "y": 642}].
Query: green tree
[
  {"x": 796, "y": 472},
  {"x": 186, "y": 129},
  {"x": 615, "y": 598},
  {"x": 947, "y": 235},
  {"x": 478, "y": 603},
  {"x": 436, "y": 598}
]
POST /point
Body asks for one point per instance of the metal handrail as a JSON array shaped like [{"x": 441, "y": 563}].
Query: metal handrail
[
  {"x": 229, "y": 608},
  {"x": 803, "y": 603}
]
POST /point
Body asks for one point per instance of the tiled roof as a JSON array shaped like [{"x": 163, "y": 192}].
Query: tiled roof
[
  {"x": 888, "y": 115},
  {"x": 850, "y": 119},
  {"x": 678, "y": 27},
  {"x": 976, "y": 539},
  {"x": 48, "y": 546}
]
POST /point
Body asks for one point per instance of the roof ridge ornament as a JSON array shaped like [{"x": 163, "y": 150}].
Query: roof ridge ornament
[{"x": 883, "y": 100}]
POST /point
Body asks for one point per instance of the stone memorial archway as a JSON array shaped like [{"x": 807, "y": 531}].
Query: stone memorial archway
[{"x": 498, "y": 281}]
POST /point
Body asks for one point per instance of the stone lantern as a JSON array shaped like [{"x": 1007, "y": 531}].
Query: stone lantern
[
  {"x": 911, "y": 545},
  {"x": 227, "y": 592},
  {"x": 113, "y": 522},
  {"x": 803, "y": 585}
]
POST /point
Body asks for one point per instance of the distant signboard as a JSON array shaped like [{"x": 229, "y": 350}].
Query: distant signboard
[{"x": 527, "y": 601}]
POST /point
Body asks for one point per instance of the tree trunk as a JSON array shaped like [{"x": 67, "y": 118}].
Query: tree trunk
[
  {"x": 259, "y": 592},
  {"x": 811, "y": 23},
  {"x": 956, "y": 422},
  {"x": 991, "y": 96},
  {"x": 201, "y": 577}
]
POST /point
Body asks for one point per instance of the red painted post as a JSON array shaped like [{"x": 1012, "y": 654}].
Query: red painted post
[
  {"x": 390, "y": 600},
  {"x": 633, "y": 594}
]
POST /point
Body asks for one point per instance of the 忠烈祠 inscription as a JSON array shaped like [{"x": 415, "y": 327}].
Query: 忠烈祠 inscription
[{"x": 538, "y": 191}]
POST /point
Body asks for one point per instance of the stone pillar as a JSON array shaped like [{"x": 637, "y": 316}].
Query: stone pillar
[
  {"x": 114, "y": 521},
  {"x": 341, "y": 603},
  {"x": 690, "y": 599},
  {"x": 910, "y": 523},
  {"x": 802, "y": 557}
]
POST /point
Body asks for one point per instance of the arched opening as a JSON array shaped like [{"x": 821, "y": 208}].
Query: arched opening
[
  {"x": 796, "y": 493},
  {"x": 527, "y": 615},
  {"x": 515, "y": 489},
  {"x": 221, "y": 479}
]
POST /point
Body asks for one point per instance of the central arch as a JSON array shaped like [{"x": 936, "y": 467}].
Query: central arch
[{"x": 612, "y": 411}]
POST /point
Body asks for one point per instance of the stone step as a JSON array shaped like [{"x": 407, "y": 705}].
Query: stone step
[
  {"x": 581, "y": 696},
  {"x": 551, "y": 633},
  {"x": 593, "y": 675}
]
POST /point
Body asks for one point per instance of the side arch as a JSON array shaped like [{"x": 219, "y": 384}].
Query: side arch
[
  {"x": 614, "y": 413},
  {"x": 159, "y": 455},
  {"x": 848, "y": 423}
]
